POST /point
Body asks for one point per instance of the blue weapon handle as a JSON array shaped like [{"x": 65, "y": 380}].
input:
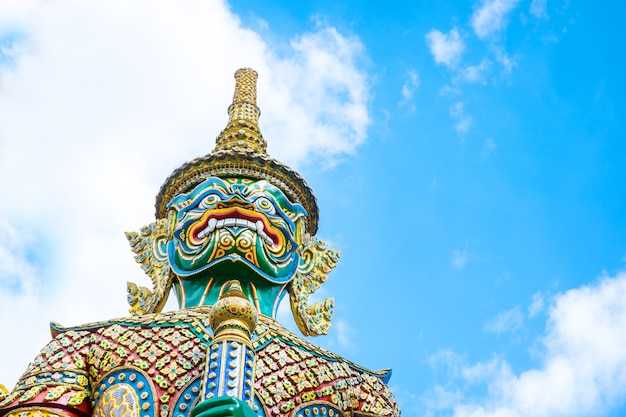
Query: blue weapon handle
[{"x": 230, "y": 357}]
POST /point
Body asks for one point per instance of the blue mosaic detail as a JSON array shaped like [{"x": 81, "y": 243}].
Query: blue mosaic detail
[
  {"x": 187, "y": 399},
  {"x": 135, "y": 379},
  {"x": 74, "y": 379},
  {"x": 258, "y": 407},
  {"x": 229, "y": 371},
  {"x": 318, "y": 410}
]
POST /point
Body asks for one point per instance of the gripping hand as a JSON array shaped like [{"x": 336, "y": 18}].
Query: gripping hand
[{"x": 223, "y": 407}]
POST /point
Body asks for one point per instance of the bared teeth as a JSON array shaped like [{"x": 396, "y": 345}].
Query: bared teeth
[
  {"x": 209, "y": 229},
  {"x": 257, "y": 226}
]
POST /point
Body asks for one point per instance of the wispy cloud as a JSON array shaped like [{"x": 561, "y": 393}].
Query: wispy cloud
[
  {"x": 463, "y": 122},
  {"x": 476, "y": 73},
  {"x": 506, "y": 321},
  {"x": 445, "y": 48},
  {"x": 460, "y": 258},
  {"x": 345, "y": 334},
  {"x": 537, "y": 305},
  {"x": 491, "y": 17},
  {"x": 583, "y": 362},
  {"x": 409, "y": 87},
  {"x": 449, "y": 359},
  {"x": 507, "y": 62},
  {"x": 439, "y": 398},
  {"x": 18, "y": 275},
  {"x": 489, "y": 147},
  {"x": 11, "y": 47},
  {"x": 449, "y": 90},
  {"x": 538, "y": 9}
]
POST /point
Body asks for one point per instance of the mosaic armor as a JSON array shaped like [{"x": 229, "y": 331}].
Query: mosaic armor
[
  {"x": 235, "y": 233},
  {"x": 151, "y": 366}
]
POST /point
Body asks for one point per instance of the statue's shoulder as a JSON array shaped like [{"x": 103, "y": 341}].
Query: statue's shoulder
[
  {"x": 293, "y": 373},
  {"x": 194, "y": 318},
  {"x": 77, "y": 367}
]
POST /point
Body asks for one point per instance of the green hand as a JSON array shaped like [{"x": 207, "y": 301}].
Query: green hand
[{"x": 223, "y": 407}]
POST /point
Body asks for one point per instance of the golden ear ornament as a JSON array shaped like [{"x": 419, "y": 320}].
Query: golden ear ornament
[
  {"x": 316, "y": 262},
  {"x": 149, "y": 246}
]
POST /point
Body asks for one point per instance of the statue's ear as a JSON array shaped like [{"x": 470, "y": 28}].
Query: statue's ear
[
  {"x": 316, "y": 261},
  {"x": 150, "y": 247}
]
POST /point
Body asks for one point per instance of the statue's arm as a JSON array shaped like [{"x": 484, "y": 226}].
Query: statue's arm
[{"x": 223, "y": 407}]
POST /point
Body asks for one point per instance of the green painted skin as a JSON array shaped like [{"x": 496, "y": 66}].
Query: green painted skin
[
  {"x": 234, "y": 228},
  {"x": 222, "y": 407}
]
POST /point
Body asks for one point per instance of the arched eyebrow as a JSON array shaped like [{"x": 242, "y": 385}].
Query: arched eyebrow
[
  {"x": 296, "y": 210},
  {"x": 184, "y": 201}
]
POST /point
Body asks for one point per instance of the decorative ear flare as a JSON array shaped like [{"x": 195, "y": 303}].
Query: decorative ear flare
[
  {"x": 149, "y": 247},
  {"x": 316, "y": 261}
]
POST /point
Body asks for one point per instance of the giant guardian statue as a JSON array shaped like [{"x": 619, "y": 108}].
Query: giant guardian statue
[{"x": 234, "y": 233}]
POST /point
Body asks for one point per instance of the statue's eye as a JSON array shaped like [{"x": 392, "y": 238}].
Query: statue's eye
[
  {"x": 265, "y": 205},
  {"x": 209, "y": 201}
]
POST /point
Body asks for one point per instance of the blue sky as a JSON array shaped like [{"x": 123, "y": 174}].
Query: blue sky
[{"x": 468, "y": 160}]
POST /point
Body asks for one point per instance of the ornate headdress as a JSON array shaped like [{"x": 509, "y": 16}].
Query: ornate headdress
[{"x": 240, "y": 151}]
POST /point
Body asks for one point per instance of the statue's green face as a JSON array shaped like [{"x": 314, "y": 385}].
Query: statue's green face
[{"x": 240, "y": 228}]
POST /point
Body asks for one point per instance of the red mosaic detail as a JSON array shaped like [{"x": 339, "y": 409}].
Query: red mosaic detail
[
  {"x": 291, "y": 372},
  {"x": 166, "y": 350}
]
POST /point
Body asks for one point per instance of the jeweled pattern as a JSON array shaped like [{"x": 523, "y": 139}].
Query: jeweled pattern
[{"x": 159, "y": 359}]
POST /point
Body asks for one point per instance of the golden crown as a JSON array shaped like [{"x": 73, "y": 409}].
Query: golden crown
[{"x": 240, "y": 151}]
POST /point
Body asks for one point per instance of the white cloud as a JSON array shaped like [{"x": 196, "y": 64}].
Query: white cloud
[
  {"x": 463, "y": 122},
  {"x": 537, "y": 305},
  {"x": 538, "y": 8},
  {"x": 507, "y": 62},
  {"x": 490, "y": 17},
  {"x": 438, "y": 398},
  {"x": 484, "y": 371},
  {"x": 476, "y": 73},
  {"x": 448, "y": 90},
  {"x": 506, "y": 321},
  {"x": 445, "y": 48},
  {"x": 452, "y": 361},
  {"x": 409, "y": 87},
  {"x": 460, "y": 258},
  {"x": 322, "y": 104},
  {"x": 582, "y": 369},
  {"x": 103, "y": 101}
]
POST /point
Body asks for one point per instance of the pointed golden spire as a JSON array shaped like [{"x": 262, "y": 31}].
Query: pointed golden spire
[
  {"x": 242, "y": 130},
  {"x": 240, "y": 151}
]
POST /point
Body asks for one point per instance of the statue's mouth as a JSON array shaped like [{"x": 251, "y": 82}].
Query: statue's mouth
[{"x": 235, "y": 217}]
